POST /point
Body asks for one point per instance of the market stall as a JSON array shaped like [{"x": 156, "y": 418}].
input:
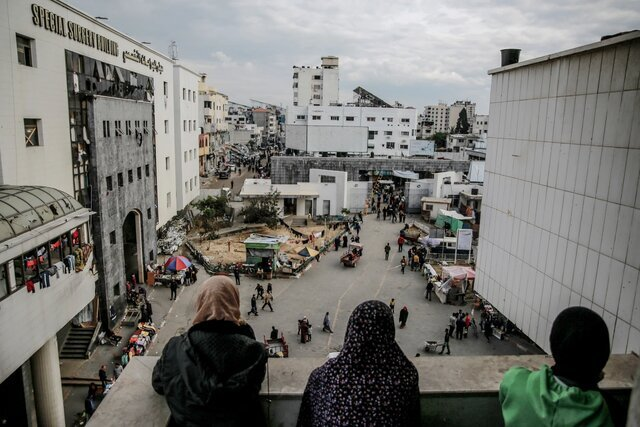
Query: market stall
[
  {"x": 262, "y": 251},
  {"x": 455, "y": 281}
]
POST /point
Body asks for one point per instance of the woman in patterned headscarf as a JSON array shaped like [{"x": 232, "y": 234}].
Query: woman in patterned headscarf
[{"x": 371, "y": 381}]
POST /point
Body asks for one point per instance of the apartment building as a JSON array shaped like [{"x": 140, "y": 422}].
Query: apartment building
[{"x": 317, "y": 85}]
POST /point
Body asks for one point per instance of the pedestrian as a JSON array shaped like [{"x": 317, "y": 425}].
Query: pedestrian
[
  {"x": 232, "y": 184},
  {"x": 404, "y": 315},
  {"x": 326, "y": 324},
  {"x": 200, "y": 386},
  {"x": 452, "y": 324},
  {"x": 429, "y": 290},
  {"x": 254, "y": 306},
  {"x": 415, "y": 266},
  {"x": 459, "y": 327},
  {"x": 392, "y": 305},
  {"x": 236, "y": 273},
  {"x": 403, "y": 264},
  {"x": 274, "y": 333},
  {"x": 194, "y": 273},
  {"x": 269, "y": 287},
  {"x": 318, "y": 255},
  {"x": 387, "y": 249},
  {"x": 229, "y": 246},
  {"x": 102, "y": 374},
  {"x": 446, "y": 342},
  {"x": 378, "y": 214},
  {"x": 340, "y": 391},
  {"x": 336, "y": 243},
  {"x": 259, "y": 291},
  {"x": 174, "y": 289},
  {"x": 401, "y": 241},
  {"x": 267, "y": 300},
  {"x": 488, "y": 330},
  {"x": 384, "y": 213},
  {"x": 149, "y": 311},
  {"x": 303, "y": 327},
  {"x": 345, "y": 241},
  {"x": 117, "y": 370},
  {"x": 187, "y": 277}
]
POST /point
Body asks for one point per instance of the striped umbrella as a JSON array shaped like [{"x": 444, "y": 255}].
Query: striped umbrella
[{"x": 177, "y": 263}]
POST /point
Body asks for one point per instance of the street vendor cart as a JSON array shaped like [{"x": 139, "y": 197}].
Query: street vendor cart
[
  {"x": 277, "y": 347},
  {"x": 353, "y": 255}
]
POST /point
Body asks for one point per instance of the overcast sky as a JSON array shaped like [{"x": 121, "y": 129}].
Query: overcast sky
[{"x": 414, "y": 52}]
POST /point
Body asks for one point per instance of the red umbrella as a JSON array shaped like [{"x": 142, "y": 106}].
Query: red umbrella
[{"x": 177, "y": 263}]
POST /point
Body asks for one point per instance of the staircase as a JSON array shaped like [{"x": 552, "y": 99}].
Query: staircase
[
  {"x": 298, "y": 222},
  {"x": 77, "y": 344}
]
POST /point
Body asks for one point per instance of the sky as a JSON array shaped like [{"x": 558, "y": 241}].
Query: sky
[{"x": 416, "y": 52}]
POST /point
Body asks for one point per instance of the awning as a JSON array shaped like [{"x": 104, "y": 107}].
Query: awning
[
  {"x": 459, "y": 273},
  {"x": 406, "y": 174},
  {"x": 307, "y": 252}
]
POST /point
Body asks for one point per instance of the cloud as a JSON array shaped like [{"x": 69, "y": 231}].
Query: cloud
[{"x": 415, "y": 51}]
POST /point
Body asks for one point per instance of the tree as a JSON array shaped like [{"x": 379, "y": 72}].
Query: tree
[
  {"x": 462, "y": 125},
  {"x": 263, "y": 209},
  {"x": 212, "y": 211},
  {"x": 440, "y": 139}
]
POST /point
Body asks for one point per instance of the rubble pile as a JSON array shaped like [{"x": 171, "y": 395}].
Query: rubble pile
[{"x": 172, "y": 235}]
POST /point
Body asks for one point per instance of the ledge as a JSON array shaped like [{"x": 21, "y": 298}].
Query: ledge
[{"x": 453, "y": 389}]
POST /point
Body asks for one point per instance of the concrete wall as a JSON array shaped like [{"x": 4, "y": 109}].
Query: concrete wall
[
  {"x": 414, "y": 191},
  {"x": 112, "y": 156},
  {"x": 340, "y": 194},
  {"x": 291, "y": 169},
  {"x": 454, "y": 391},
  {"x": 561, "y": 211},
  {"x": 357, "y": 194}
]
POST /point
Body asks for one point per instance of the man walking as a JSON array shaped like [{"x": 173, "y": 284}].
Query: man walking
[
  {"x": 452, "y": 324},
  {"x": 254, "y": 306},
  {"x": 429, "y": 290},
  {"x": 446, "y": 342},
  {"x": 404, "y": 315},
  {"x": 387, "y": 249},
  {"x": 459, "y": 327},
  {"x": 236, "y": 273},
  {"x": 259, "y": 291},
  {"x": 326, "y": 324},
  {"x": 102, "y": 374},
  {"x": 174, "y": 289},
  {"x": 400, "y": 243},
  {"x": 267, "y": 300},
  {"x": 392, "y": 305},
  {"x": 403, "y": 264}
]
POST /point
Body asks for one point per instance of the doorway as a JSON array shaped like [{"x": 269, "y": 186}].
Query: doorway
[{"x": 132, "y": 245}]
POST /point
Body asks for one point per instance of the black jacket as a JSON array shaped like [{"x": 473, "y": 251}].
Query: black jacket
[{"x": 211, "y": 376}]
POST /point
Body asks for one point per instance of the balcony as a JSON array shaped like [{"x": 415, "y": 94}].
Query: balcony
[{"x": 454, "y": 390}]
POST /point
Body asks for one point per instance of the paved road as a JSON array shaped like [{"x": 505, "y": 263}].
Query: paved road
[{"x": 329, "y": 286}]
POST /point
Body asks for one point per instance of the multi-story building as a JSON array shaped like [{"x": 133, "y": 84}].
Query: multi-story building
[
  {"x": 46, "y": 281},
  {"x": 437, "y": 117},
  {"x": 317, "y": 85},
  {"x": 561, "y": 210},
  {"x": 481, "y": 126},
  {"x": 101, "y": 128},
  {"x": 454, "y": 113},
  {"x": 351, "y": 129},
  {"x": 212, "y": 115},
  {"x": 266, "y": 119}
]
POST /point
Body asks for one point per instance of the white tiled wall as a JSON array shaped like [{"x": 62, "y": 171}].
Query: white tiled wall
[{"x": 561, "y": 214}]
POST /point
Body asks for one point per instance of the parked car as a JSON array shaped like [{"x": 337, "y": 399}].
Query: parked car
[{"x": 223, "y": 174}]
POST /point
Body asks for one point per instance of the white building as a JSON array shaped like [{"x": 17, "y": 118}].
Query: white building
[
  {"x": 481, "y": 125},
  {"x": 317, "y": 85},
  {"x": 437, "y": 117},
  {"x": 213, "y": 107},
  {"x": 383, "y": 131},
  {"x": 185, "y": 92},
  {"x": 561, "y": 220},
  {"x": 456, "y": 108}
]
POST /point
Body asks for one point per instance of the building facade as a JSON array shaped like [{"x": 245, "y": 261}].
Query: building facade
[
  {"x": 100, "y": 128},
  {"x": 454, "y": 113},
  {"x": 481, "y": 126},
  {"x": 561, "y": 212},
  {"x": 350, "y": 129},
  {"x": 437, "y": 118},
  {"x": 317, "y": 85}
]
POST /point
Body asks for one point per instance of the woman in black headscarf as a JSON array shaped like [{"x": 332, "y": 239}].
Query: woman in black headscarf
[{"x": 371, "y": 381}]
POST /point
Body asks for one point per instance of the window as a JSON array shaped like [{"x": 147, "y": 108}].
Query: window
[
  {"x": 349, "y": 118},
  {"x": 404, "y": 133},
  {"x": 391, "y": 145},
  {"x": 139, "y": 172},
  {"x": 186, "y": 186},
  {"x": 316, "y": 117},
  {"x": 150, "y": 255},
  {"x": 112, "y": 237},
  {"x": 189, "y": 125},
  {"x": 130, "y": 175},
  {"x": 145, "y": 127},
  {"x": 316, "y": 96},
  {"x": 301, "y": 117},
  {"x": 137, "y": 126},
  {"x": 327, "y": 178},
  {"x": 184, "y": 125},
  {"x": 25, "y": 50},
  {"x": 317, "y": 87},
  {"x": 120, "y": 179},
  {"x": 189, "y": 95},
  {"x": 165, "y": 87},
  {"x": 295, "y": 85},
  {"x": 295, "y": 75},
  {"x": 371, "y": 119},
  {"x": 317, "y": 77},
  {"x": 127, "y": 127},
  {"x": 190, "y": 184},
  {"x": 335, "y": 117},
  {"x": 149, "y": 216},
  {"x": 185, "y": 157},
  {"x": 31, "y": 132},
  {"x": 388, "y": 132},
  {"x": 207, "y": 104},
  {"x": 404, "y": 147},
  {"x": 146, "y": 170},
  {"x": 106, "y": 129},
  {"x": 372, "y": 134},
  {"x": 116, "y": 289},
  {"x": 169, "y": 199},
  {"x": 167, "y": 163},
  {"x": 117, "y": 125},
  {"x": 404, "y": 120},
  {"x": 184, "y": 93},
  {"x": 166, "y": 126},
  {"x": 109, "y": 183},
  {"x": 390, "y": 119}
]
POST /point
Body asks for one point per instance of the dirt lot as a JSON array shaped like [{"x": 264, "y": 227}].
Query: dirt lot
[{"x": 219, "y": 250}]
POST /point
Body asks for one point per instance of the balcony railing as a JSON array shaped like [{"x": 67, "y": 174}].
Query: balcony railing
[{"x": 455, "y": 391}]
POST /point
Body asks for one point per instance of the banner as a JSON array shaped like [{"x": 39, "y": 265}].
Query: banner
[{"x": 465, "y": 235}]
